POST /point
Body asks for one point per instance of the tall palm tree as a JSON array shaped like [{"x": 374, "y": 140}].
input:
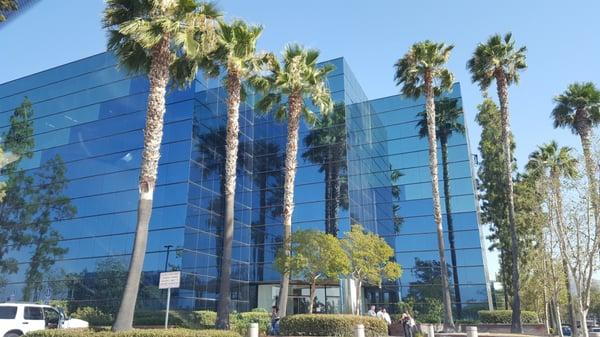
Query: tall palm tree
[
  {"x": 236, "y": 55},
  {"x": 422, "y": 72},
  {"x": 7, "y": 6},
  {"x": 161, "y": 38},
  {"x": 551, "y": 162},
  {"x": 448, "y": 121},
  {"x": 498, "y": 59},
  {"x": 298, "y": 78},
  {"x": 578, "y": 108}
]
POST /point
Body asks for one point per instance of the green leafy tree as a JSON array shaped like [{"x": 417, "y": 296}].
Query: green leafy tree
[
  {"x": 298, "y": 78},
  {"x": 15, "y": 209},
  {"x": 7, "y": 6},
  {"x": 236, "y": 55},
  {"x": 549, "y": 164},
  {"x": 448, "y": 122},
  {"x": 491, "y": 188},
  {"x": 315, "y": 256},
  {"x": 422, "y": 72},
  {"x": 5, "y": 159},
  {"x": 326, "y": 146},
  {"x": 371, "y": 260},
  {"x": 49, "y": 204},
  {"x": 578, "y": 109},
  {"x": 499, "y": 60},
  {"x": 163, "y": 39}
]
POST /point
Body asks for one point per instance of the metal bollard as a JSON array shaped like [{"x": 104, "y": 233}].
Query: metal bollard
[
  {"x": 430, "y": 330},
  {"x": 253, "y": 330},
  {"x": 359, "y": 330},
  {"x": 471, "y": 331}
]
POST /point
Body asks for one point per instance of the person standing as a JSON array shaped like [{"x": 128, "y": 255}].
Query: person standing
[
  {"x": 275, "y": 321},
  {"x": 386, "y": 318},
  {"x": 372, "y": 312},
  {"x": 407, "y": 324}
]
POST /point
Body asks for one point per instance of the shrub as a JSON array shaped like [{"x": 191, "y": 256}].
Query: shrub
[
  {"x": 260, "y": 310},
  {"x": 133, "y": 333},
  {"x": 205, "y": 319},
  {"x": 505, "y": 316},
  {"x": 150, "y": 318},
  {"x": 240, "y": 322},
  {"x": 330, "y": 325},
  {"x": 94, "y": 316}
]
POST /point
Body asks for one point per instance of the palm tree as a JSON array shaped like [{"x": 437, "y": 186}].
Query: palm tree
[
  {"x": 326, "y": 146},
  {"x": 160, "y": 38},
  {"x": 237, "y": 56},
  {"x": 422, "y": 72},
  {"x": 498, "y": 59},
  {"x": 550, "y": 161},
  {"x": 447, "y": 121},
  {"x": 298, "y": 78},
  {"x": 578, "y": 108},
  {"x": 7, "y": 6}
]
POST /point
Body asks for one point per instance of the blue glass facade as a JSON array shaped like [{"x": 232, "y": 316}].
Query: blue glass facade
[{"x": 365, "y": 165}]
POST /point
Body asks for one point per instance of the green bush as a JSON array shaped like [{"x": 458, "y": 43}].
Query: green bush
[
  {"x": 330, "y": 325},
  {"x": 505, "y": 316},
  {"x": 205, "y": 319},
  {"x": 259, "y": 310},
  {"x": 151, "y": 318},
  {"x": 94, "y": 316},
  {"x": 240, "y": 322},
  {"x": 133, "y": 333}
]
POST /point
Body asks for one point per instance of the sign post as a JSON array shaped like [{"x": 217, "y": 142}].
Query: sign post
[{"x": 167, "y": 281}]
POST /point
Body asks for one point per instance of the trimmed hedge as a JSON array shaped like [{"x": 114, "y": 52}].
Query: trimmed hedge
[
  {"x": 94, "y": 316},
  {"x": 238, "y": 321},
  {"x": 330, "y": 325},
  {"x": 505, "y": 316},
  {"x": 133, "y": 333}
]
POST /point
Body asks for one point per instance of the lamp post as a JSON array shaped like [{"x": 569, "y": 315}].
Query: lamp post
[{"x": 167, "y": 257}]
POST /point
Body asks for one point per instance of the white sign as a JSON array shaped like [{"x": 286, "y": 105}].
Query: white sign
[{"x": 169, "y": 280}]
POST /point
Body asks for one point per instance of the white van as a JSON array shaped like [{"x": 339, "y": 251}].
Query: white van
[{"x": 17, "y": 319}]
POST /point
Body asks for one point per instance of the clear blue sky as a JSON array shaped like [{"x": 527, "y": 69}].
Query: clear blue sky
[{"x": 562, "y": 37}]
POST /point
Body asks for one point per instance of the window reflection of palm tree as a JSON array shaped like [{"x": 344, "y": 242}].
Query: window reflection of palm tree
[
  {"x": 211, "y": 149},
  {"x": 268, "y": 177},
  {"x": 326, "y": 146},
  {"x": 395, "y": 175}
]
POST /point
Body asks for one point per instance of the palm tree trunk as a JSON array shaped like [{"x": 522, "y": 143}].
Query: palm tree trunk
[
  {"x": 327, "y": 171},
  {"x": 291, "y": 161},
  {"x": 450, "y": 224},
  {"x": 585, "y": 134},
  {"x": 502, "y": 86},
  {"x": 231, "y": 154},
  {"x": 153, "y": 132},
  {"x": 437, "y": 208}
]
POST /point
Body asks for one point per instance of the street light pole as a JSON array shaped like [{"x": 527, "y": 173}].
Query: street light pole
[{"x": 167, "y": 258}]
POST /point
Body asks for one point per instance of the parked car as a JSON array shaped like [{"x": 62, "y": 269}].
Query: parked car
[
  {"x": 594, "y": 332},
  {"x": 566, "y": 330},
  {"x": 17, "y": 319}
]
